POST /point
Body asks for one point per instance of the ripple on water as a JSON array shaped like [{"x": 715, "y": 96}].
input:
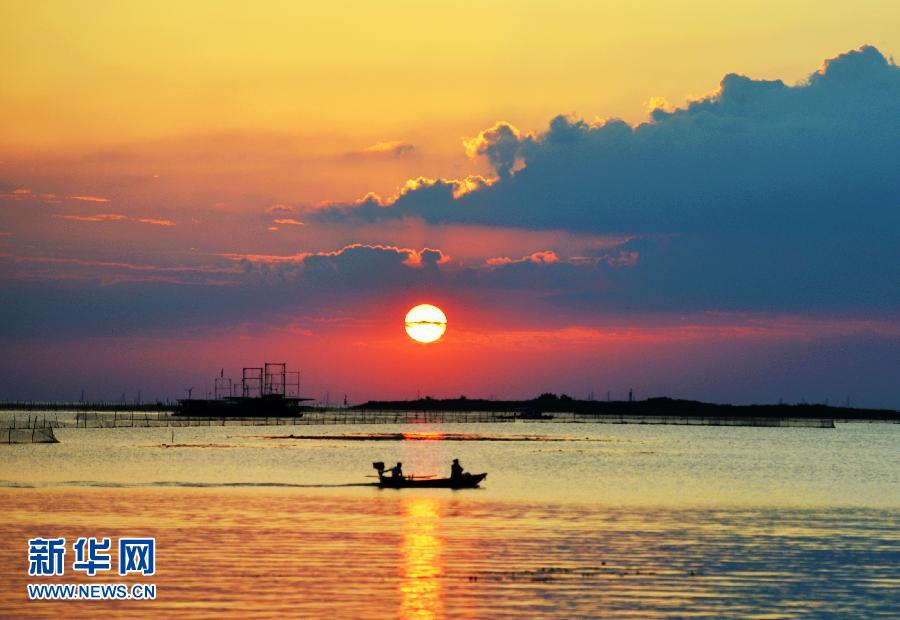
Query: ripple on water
[{"x": 288, "y": 552}]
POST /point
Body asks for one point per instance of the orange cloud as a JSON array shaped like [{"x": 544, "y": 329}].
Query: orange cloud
[
  {"x": 89, "y": 198},
  {"x": 461, "y": 187},
  {"x": 280, "y": 209},
  {"x": 658, "y": 103},
  {"x": 290, "y": 222},
  {"x": 116, "y": 217},
  {"x": 413, "y": 257},
  {"x": 267, "y": 258},
  {"x": 155, "y": 222},
  {"x": 20, "y": 193},
  {"x": 100, "y": 217},
  {"x": 545, "y": 257}
]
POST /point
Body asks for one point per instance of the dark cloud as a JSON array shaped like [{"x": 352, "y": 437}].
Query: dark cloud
[
  {"x": 370, "y": 266},
  {"x": 760, "y": 197},
  {"x": 440, "y": 195},
  {"x": 365, "y": 268},
  {"x": 752, "y": 151},
  {"x": 144, "y": 299},
  {"x": 501, "y": 144},
  {"x": 761, "y": 193},
  {"x": 356, "y": 268}
]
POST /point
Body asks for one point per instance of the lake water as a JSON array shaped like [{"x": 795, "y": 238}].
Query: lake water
[{"x": 574, "y": 520}]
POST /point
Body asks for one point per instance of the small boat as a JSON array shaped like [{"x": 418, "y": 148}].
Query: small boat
[{"x": 465, "y": 481}]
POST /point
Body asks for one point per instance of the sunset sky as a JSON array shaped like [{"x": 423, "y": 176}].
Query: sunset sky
[{"x": 692, "y": 199}]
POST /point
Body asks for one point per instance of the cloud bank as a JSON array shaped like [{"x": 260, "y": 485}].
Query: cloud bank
[
  {"x": 760, "y": 199},
  {"x": 752, "y": 152},
  {"x": 761, "y": 194}
]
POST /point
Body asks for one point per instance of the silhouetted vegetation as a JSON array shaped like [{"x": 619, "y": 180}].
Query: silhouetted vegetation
[{"x": 663, "y": 406}]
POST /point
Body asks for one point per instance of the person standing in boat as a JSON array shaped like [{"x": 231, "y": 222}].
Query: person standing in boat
[
  {"x": 397, "y": 471},
  {"x": 456, "y": 470}
]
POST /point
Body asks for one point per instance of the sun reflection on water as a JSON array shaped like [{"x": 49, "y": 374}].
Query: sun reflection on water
[
  {"x": 423, "y": 436},
  {"x": 420, "y": 583}
]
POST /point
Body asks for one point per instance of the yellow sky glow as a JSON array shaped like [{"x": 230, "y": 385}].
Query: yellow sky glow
[{"x": 90, "y": 74}]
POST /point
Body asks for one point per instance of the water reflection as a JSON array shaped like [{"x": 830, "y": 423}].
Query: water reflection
[
  {"x": 423, "y": 436},
  {"x": 279, "y": 553},
  {"x": 420, "y": 583}
]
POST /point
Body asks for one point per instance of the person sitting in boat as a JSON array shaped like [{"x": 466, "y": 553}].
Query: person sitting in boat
[
  {"x": 456, "y": 470},
  {"x": 397, "y": 471}
]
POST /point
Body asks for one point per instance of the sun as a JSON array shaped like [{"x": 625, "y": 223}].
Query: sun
[{"x": 426, "y": 323}]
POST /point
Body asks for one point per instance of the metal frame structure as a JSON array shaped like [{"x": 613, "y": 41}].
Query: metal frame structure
[
  {"x": 223, "y": 387},
  {"x": 272, "y": 379},
  {"x": 292, "y": 384},
  {"x": 275, "y": 379},
  {"x": 252, "y": 382}
]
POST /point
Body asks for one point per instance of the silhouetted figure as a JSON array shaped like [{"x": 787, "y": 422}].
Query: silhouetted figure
[
  {"x": 456, "y": 470},
  {"x": 397, "y": 471}
]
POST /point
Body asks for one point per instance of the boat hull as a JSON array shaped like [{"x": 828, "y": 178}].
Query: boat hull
[{"x": 467, "y": 481}]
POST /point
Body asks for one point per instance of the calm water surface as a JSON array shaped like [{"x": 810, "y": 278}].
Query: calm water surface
[{"x": 574, "y": 520}]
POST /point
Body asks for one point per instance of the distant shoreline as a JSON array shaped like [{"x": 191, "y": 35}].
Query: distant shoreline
[
  {"x": 532, "y": 408},
  {"x": 656, "y": 407}
]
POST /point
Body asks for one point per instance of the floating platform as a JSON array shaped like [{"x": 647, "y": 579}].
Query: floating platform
[
  {"x": 267, "y": 391},
  {"x": 267, "y": 406}
]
